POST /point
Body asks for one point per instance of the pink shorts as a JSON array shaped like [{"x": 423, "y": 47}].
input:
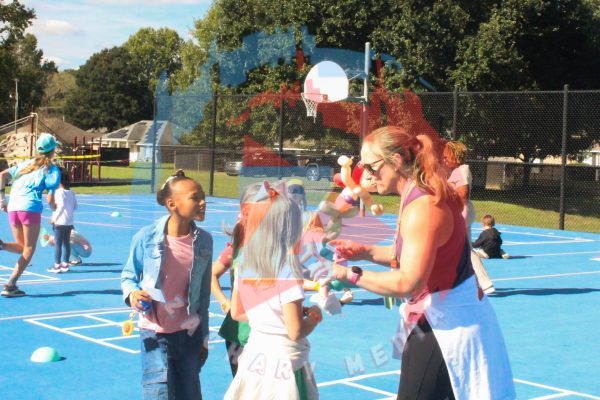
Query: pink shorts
[{"x": 16, "y": 218}]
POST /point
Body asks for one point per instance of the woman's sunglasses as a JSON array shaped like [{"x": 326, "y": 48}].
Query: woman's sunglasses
[{"x": 369, "y": 167}]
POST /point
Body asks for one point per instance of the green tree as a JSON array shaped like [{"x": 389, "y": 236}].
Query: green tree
[
  {"x": 59, "y": 87},
  {"x": 155, "y": 52},
  {"x": 110, "y": 92}
]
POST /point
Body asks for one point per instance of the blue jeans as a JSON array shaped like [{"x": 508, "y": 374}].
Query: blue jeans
[
  {"x": 62, "y": 239},
  {"x": 171, "y": 365}
]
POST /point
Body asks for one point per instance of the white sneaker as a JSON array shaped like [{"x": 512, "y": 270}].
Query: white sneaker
[
  {"x": 347, "y": 297},
  {"x": 64, "y": 267},
  {"x": 489, "y": 290},
  {"x": 76, "y": 261},
  {"x": 56, "y": 269},
  {"x": 504, "y": 254}
]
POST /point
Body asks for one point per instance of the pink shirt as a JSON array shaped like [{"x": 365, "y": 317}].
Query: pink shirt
[{"x": 172, "y": 316}]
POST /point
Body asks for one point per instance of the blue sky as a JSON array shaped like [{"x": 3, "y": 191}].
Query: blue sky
[{"x": 70, "y": 31}]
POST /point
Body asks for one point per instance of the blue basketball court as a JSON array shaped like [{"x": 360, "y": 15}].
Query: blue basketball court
[{"x": 547, "y": 304}]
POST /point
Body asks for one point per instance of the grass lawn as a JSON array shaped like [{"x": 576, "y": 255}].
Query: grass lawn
[{"x": 512, "y": 208}]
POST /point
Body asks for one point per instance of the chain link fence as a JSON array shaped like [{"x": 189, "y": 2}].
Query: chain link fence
[{"x": 535, "y": 156}]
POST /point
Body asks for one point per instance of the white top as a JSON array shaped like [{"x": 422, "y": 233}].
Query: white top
[
  {"x": 461, "y": 176},
  {"x": 263, "y": 300},
  {"x": 66, "y": 204}
]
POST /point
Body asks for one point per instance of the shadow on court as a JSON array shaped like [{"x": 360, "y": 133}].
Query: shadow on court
[
  {"x": 505, "y": 292},
  {"x": 90, "y": 271},
  {"x": 78, "y": 292}
]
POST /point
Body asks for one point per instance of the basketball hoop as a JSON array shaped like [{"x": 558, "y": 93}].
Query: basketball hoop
[{"x": 311, "y": 107}]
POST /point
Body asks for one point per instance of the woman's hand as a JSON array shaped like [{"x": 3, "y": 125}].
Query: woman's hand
[
  {"x": 340, "y": 273},
  {"x": 349, "y": 250}
]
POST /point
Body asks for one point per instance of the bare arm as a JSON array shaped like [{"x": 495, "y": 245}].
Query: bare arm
[
  {"x": 463, "y": 193},
  {"x": 3, "y": 182},
  {"x": 218, "y": 269},
  {"x": 51, "y": 201},
  {"x": 237, "y": 310},
  {"x": 351, "y": 250},
  {"x": 419, "y": 250},
  {"x": 297, "y": 326}
]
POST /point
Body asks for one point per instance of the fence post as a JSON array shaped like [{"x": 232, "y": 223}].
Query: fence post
[
  {"x": 563, "y": 162},
  {"x": 213, "y": 142},
  {"x": 153, "y": 171},
  {"x": 280, "y": 158},
  {"x": 454, "y": 111}
]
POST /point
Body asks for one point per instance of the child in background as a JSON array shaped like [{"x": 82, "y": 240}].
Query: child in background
[
  {"x": 268, "y": 294},
  {"x": 235, "y": 333},
  {"x": 80, "y": 246},
  {"x": 172, "y": 256},
  {"x": 63, "y": 219},
  {"x": 489, "y": 241}
]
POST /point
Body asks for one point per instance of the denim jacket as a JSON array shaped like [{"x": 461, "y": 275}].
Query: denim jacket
[{"x": 145, "y": 260}]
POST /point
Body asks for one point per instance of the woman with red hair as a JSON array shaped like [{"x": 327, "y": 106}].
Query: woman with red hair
[{"x": 448, "y": 339}]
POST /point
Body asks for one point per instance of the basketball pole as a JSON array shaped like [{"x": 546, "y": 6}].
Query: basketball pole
[{"x": 364, "y": 116}]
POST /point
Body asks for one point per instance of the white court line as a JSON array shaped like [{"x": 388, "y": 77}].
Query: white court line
[
  {"x": 367, "y": 388},
  {"x": 47, "y": 278},
  {"x": 345, "y": 381},
  {"x": 65, "y": 313},
  {"x": 358, "y": 378},
  {"x": 70, "y": 281},
  {"x": 77, "y": 335},
  {"x": 562, "y": 254},
  {"x": 510, "y": 243},
  {"x": 547, "y": 276},
  {"x": 587, "y": 396},
  {"x": 74, "y": 328},
  {"x": 551, "y": 396}
]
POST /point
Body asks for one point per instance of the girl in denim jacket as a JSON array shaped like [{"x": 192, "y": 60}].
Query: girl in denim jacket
[{"x": 172, "y": 259}]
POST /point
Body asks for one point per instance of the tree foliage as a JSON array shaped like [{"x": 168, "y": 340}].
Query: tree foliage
[
  {"x": 155, "y": 52},
  {"x": 110, "y": 92},
  {"x": 20, "y": 59}
]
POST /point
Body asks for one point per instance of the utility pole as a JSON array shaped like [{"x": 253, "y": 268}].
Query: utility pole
[{"x": 16, "y": 103}]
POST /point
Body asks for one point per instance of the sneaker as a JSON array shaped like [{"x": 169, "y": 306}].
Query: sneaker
[
  {"x": 56, "y": 269},
  {"x": 504, "y": 254},
  {"x": 12, "y": 291},
  {"x": 64, "y": 267},
  {"x": 347, "y": 297},
  {"x": 76, "y": 261},
  {"x": 489, "y": 290}
]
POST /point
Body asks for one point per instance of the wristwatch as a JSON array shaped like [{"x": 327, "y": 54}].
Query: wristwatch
[{"x": 355, "y": 274}]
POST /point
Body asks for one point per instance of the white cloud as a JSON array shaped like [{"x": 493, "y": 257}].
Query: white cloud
[
  {"x": 57, "y": 60},
  {"x": 53, "y": 27}
]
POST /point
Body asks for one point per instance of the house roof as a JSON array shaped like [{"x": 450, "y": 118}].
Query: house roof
[{"x": 141, "y": 133}]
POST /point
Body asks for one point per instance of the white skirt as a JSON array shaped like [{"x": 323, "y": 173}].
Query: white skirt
[
  {"x": 266, "y": 369},
  {"x": 469, "y": 336}
]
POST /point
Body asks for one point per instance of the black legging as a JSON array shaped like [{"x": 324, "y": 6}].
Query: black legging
[
  {"x": 62, "y": 238},
  {"x": 424, "y": 375}
]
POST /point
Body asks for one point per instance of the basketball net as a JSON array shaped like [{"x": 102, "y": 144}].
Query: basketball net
[{"x": 311, "y": 105}]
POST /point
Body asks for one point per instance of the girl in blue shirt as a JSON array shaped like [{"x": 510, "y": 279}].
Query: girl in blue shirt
[{"x": 29, "y": 180}]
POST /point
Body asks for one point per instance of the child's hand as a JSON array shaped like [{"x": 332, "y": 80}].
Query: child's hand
[
  {"x": 136, "y": 297},
  {"x": 225, "y": 306},
  {"x": 314, "y": 313},
  {"x": 51, "y": 222},
  {"x": 348, "y": 249}
]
